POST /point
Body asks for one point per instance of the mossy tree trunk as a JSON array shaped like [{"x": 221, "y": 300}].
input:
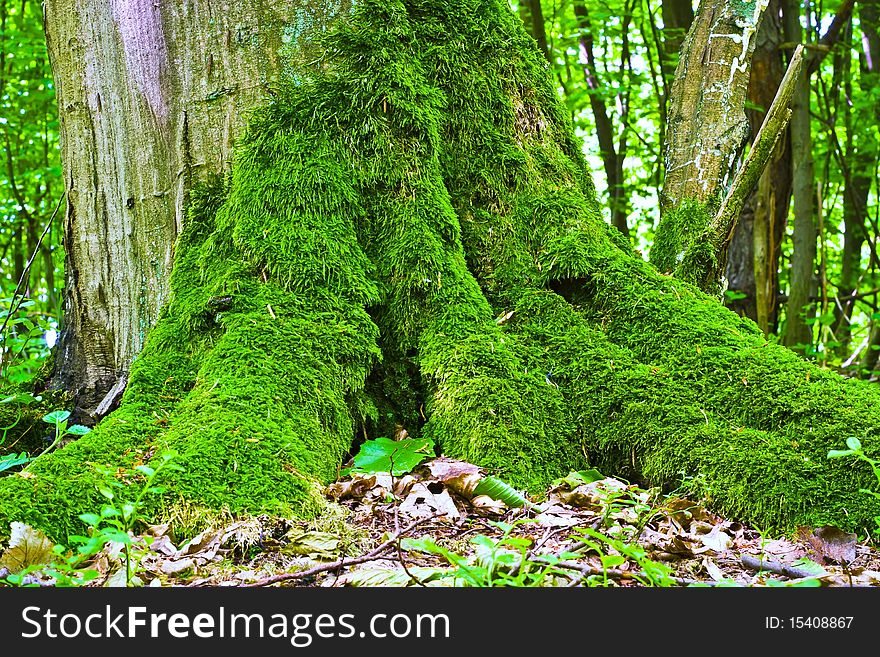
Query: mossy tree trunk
[
  {"x": 409, "y": 236},
  {"x": 152, "y": 96}
]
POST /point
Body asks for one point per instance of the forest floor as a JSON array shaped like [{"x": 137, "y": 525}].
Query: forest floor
[{"x": 428, "y": 528}]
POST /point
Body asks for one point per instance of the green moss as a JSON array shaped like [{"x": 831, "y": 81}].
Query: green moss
[{"x": 384, "y": 217}]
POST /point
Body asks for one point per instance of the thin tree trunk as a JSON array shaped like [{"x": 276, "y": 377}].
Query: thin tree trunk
[
  {"x": 677, "y": 18},
  {"x": 802, "y": 286},
  {"x": 539, "y": 31},
  {"x": 152, "y": 97},
  {"x": 612, "y": 157}
]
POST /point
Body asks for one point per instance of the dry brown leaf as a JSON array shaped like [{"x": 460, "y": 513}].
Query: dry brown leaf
[
  {"x": 557, "y": 515},
  {"x": 403, "y": 485},
  {"x": 712, "y": 568},
  {"x": 829, "y": 542},
  {"x": 683, "y": 512},
  {"x": 593, "y": 494},
  {"x": 459, "y": 476},
  {"x": 173, "y": 566},
  {"x": 27, "y": 547},
  {"x": 314, "y": 544},
  {"x": 485, "y": 505},
  {"x": 356, "y": 488},
  {"x": 716, "y": 540}
]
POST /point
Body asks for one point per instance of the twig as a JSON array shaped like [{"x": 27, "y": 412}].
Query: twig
[
  {"x": 614, "y": 573},
  {"x": 13, "y": 307},
  {"x": 373, "y": 555},
  {"x": 759, "y": 564}
]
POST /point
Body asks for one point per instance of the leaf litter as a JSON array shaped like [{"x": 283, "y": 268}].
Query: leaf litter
[{"x": 429, "y": 526}]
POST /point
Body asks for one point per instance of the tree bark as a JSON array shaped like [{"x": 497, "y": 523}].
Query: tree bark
[
  {"x": 707, "y": 125},
  {"x": 152, "y": 98},
  {"x": 706, "y": 132}
]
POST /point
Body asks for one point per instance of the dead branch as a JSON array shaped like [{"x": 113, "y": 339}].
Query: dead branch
[{"x": 373, "y": 555}]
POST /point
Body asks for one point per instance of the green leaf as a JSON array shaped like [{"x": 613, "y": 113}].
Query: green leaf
[
  {"x": 575, "y": 479},
  {"x": 395, "y": 456},
  {"x": 837, "y": 453},
  {"x": 145, "y": 470},
  {"x": 77, "y": 430},
  {"x": 90, "y": 518},
  {"x": 809, "y": 566},
  {"x": 113, "y": 534},
  {"x": 612, "y": 560},
  {"x": 500, "y": 490},
  {"x": 22, "y": 398},
  {"x": 853, "y": 443},
  {"x": 12, "y": 460},
  {"x": 56, "y": 417}
]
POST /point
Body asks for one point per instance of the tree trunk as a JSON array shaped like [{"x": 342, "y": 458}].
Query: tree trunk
[
  {"x": 707, "y": 124},
  {"x": 677, "y": 19},
  {"x": 861, "y": 160},
  {"x": 152, "y": 97},
  {"x": 799, "y": 310},
  {"x": 409, "y": 235},
  {"x": 612, "y": 156},
  {"x": 753, "y": 258}
]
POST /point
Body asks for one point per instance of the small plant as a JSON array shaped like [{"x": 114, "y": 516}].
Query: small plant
[
  {"x": 58, "y": 419},
  {"x": 650, "y": 573},
  {"x": 114, "y": 523},
  {"x": 505, "y": 561},
  {"x": 25, "y": 341},
  {"x": 395, "y": 456},
  {"x": 854, "y": 449},
  {"x": 12, "y": 460}
]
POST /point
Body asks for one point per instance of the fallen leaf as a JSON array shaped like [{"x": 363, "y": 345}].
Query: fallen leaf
[
  {"x": 27, "y": 547},
  {"x": 390, "y": 576},
  {"x": 459, "y": 476},
  {"x": 358, "y": 486},
  {"x": 422, "y": 503},
  {"x": 831, "y": 543},
  {"x": 314, "y": 544},
  {"x": 715, "y": 540},
  {"x": 173, "y": 566},
  {"x": 714, "y": 571},
  {"x": 486, "y": 505}
]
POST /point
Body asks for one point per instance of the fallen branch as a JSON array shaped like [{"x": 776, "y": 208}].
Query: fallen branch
[
  {"x": 373, "y": 555},
  {"x": 760, "y": 564}
]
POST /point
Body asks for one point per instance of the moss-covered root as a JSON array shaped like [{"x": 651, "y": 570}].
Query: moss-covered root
[{"x": 655, "y": 422}]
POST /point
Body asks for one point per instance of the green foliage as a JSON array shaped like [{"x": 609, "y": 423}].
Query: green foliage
[
  {"x": 395, "y": 456},
  {"x": 500, "y": 490},
  {"x": 393, "y": 207},
  {"x": 113, "y": 524},
  {"x": 503, "y": 561},
  {"x": 23, "y": 340},
  {"x": 30, "y": 185},
  {"x": 854, "y": 449},
  {"x": 58, "y": 420},
  {"x": 614, "y": 553}
]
